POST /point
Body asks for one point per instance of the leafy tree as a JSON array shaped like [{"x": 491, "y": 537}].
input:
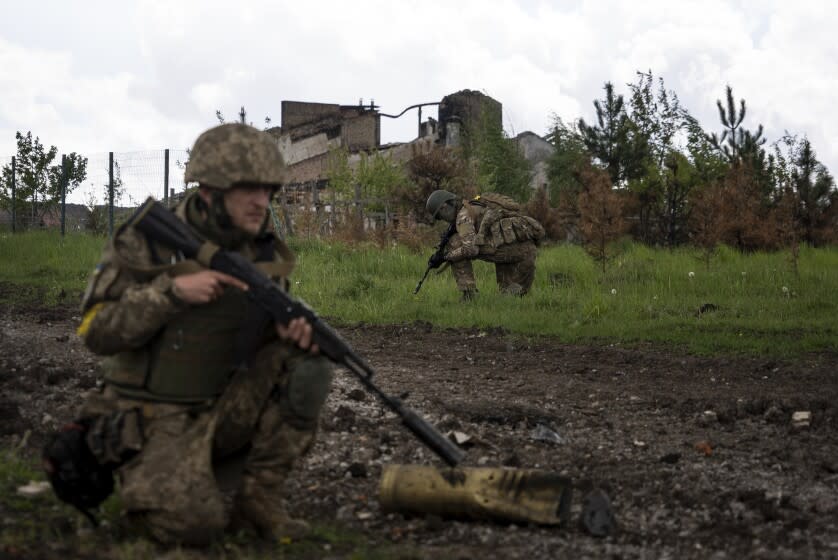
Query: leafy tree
[
  {"x": 657, "y": 116},
  {"x": 811, "y": 184},
  {"x": 678, "y": 178},
  {"x": 371, "y": 183},
  {"x": 501, "y": 167},
  {"x": 708, "y": 162},
  {"x": 379, "y": 177},
  {"x": 441, "y": 168},
  {"x": 569, "y": 158},
  {"x": 615, "y": 140},
  {"x": 39, "y": 177},
  {"x": 661, "y": 198}
]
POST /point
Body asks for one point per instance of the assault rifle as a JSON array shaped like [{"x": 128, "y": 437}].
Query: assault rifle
[
  {"x": 161, "y": 225},
  {"x": 436, "y": 260}
]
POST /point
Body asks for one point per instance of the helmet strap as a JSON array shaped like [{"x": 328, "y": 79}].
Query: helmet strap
[
  {"x": 218, "y": 210},
  {"x": 213, "y": 222}
]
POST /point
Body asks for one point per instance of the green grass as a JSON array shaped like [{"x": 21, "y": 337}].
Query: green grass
[
  {"x": 759, "y": 305},
  {"x": 645, "y": 295},
  {"x": 45, "y": 268}
]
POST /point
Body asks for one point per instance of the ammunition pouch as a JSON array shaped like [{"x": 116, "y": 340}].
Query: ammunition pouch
[{"x": 516, "y": 229}]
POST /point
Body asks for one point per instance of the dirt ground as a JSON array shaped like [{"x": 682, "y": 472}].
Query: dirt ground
[{"x": 698, "y": 455}]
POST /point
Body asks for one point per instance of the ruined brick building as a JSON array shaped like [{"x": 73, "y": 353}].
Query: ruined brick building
[{"x": 309, "y": 132}]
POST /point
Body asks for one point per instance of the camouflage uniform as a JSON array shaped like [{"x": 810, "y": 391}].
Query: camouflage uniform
[
  {"x": 222, "y": 419},
  {"x": 511, "y": 247}
]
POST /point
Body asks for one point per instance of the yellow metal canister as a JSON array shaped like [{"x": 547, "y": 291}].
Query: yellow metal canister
[{"x": 482, "y": 493}]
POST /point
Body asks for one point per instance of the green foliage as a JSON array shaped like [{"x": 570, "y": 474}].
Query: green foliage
[
  {"x": 38, "y": 177},
  {"x": 809, "y": 182},
  {"x": 41, "y": 264},
  {"x": 741, "y": 147},
  {"x": 568, "y": 159},
  {"x": 375, "y": 177},
  {"x": 663, "y": 189},
  {"x": 379, "y": 176},
  {"x": 443, "y": 168},
  {"x": 709, "y": 164},
  {"x": 501, "y": 167},
  {"x": 615, "y": 141},
  {"x": 340, "y": 175},
  {"x": 655, "y": 299}
]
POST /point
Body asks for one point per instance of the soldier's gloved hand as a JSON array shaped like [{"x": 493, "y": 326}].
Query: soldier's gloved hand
[
  {"x": 298, "y": 332},
  {"x": 204, "y": 286},
  {"x": 436, "y": 260}
]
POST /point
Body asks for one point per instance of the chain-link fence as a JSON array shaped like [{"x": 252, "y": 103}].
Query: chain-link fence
[{"x": 115, "y": 184}]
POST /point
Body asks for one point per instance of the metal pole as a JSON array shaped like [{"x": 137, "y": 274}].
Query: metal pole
[
  {"x": 14, "y": 200},
  {"x": 110, "y": 194},
  {"x": 166, "y": 177},
  {"x": 63, "y": 192}
]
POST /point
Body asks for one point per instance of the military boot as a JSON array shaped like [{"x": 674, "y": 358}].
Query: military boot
[
  {"x": 273, "y": 455},
  {"x": 261, "y": 506}
]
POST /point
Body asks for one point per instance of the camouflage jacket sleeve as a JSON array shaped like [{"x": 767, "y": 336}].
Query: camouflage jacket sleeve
[
  {"x": 468, "y": 235},
  {"x": 121, "y": 310}
]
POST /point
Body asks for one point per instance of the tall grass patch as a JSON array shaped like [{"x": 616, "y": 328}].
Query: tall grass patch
[
  {"x": 46, "y": 268},
  {"x": 742, "y": 303},
  {"x": 752, "y": 304}
]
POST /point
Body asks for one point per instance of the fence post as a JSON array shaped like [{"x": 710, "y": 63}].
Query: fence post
[
  {"x": 110, "y": 194},
  {"x": 286, "y": 214},
  {"x": 166, "y": 177},
  {"x": 63, "y": 192},
  {"x": 14, "y": 200},
  {"x": 359, "y": 208}
]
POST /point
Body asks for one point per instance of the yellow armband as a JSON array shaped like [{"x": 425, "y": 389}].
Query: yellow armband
[{"x": 88, "y": 317}]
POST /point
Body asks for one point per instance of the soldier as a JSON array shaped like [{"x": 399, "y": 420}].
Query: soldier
[
  {"x": 490, "y": 228},
  {"x": 218, "y": 401}
]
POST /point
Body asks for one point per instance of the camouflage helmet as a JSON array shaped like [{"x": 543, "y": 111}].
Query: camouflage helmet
[
  {"x": 234, "y": 154},
  {"x": 437, "y": 200}
]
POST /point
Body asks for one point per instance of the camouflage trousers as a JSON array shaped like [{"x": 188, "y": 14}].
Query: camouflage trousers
[
  {"x": 182, "y": 485},
  {"x": 514, "y": 268}
]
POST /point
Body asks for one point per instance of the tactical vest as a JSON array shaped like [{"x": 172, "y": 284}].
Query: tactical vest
[
  {"x": 498, "y": 221},
  {"x": 193, "y": 356}
]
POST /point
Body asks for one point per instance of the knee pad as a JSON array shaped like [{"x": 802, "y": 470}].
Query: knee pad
[{"x": 309, "y": 381}]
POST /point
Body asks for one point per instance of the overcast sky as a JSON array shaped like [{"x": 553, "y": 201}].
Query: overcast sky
[{"x": 95, "y": 76}]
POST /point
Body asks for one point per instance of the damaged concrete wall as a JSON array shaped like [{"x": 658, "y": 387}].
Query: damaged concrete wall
[
  {"x": 310, "y": 131},
  {"x": 537, "y": 151},
  {"x": 306, "y": 148},
  {"x": 298, "y": 113},
  {"x": 467, "y": 111}
]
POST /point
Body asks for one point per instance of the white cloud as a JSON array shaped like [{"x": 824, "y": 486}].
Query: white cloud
[{"x": 178, "y": 62}]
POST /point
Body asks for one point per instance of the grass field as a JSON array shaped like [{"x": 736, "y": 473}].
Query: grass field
[{"x": 751, "y": 304}]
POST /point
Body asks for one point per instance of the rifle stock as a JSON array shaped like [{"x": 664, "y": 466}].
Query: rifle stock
[{"x": 163, "y": 226}]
